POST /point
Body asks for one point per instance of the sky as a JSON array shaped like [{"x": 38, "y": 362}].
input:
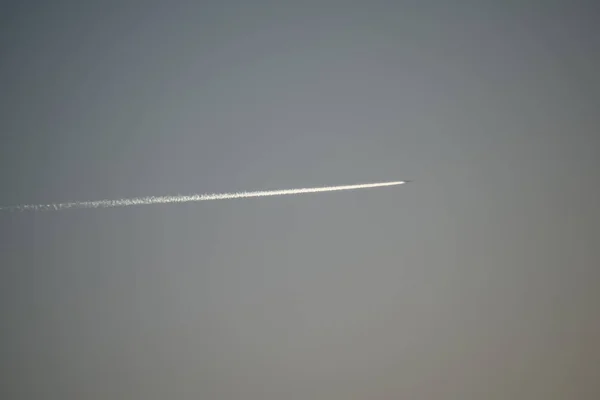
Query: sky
[{"x": 479, "y": 279}]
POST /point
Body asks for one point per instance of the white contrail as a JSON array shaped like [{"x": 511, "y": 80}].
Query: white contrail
[{"x": 190, "y": 198}]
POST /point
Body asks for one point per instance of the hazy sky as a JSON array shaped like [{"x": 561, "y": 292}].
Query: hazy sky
[{"x": 479, "y": 280}]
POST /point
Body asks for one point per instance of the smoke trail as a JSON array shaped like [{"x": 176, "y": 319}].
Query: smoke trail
[{"x": 191, "y": 198}]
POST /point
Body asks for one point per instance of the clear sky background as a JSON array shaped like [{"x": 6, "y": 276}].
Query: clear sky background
[{"x": 479, "y": 280}]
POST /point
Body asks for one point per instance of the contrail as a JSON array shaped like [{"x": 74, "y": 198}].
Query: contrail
[{"x": 190, "y": 198}]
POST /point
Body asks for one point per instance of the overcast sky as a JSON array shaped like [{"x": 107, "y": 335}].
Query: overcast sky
[{"x": 479, "y": 280}]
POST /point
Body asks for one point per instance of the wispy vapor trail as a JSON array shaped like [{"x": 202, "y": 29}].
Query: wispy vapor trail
[{"x": 190, "y": 198}]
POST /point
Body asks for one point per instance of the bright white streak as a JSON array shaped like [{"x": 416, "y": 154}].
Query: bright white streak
[{"x": 191, "y": 198}]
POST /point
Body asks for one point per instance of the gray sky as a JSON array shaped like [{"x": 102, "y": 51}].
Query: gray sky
[{"x": 479, "y": 280}]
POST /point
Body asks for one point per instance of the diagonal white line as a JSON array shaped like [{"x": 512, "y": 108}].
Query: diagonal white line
[{"x": 191, "y": 198}]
